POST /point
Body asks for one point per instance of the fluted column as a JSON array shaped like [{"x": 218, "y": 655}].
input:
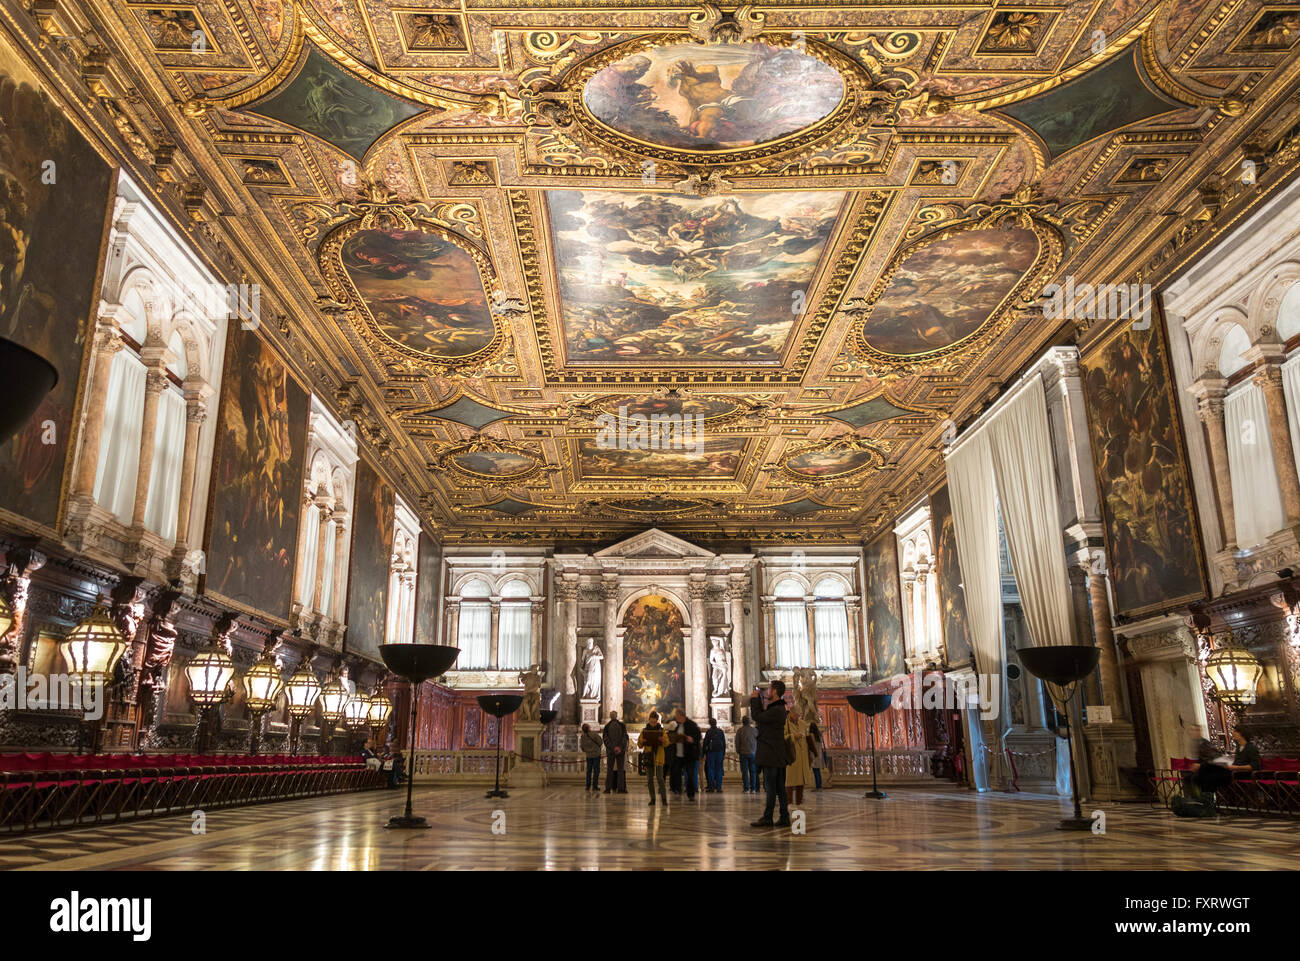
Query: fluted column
[
  {"x": 1269, "y": 380},
  {"x": 108, "y": 341},
  {"x": 697, "y": 705},
  {"x": 613, "y": 692},
  {"x": 1209, "y": 407},
  {"x": 155, "y": 384},
  {"x": 737, "y": 588},
  {"x": 196, "y": 412}
]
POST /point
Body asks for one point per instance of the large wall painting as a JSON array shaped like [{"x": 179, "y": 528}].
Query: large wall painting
[
  {"x": 372, "y": 554},
  {"x": 257, "y": 488},
  {"x": 884, "y": 607},
  {"x": 424, "y": 290},
  {"x": 51, "y": 238},
  {"x": 428, "y": 584},
  {"x": 712, "y": 458},
  {"x": 688, "y": 280},
  {"x": 952, "y": 599},
  {"x": 1153, "y": 544},
  {"x": 654, "y": 677},
  {"x": 714, "y": 96},
  {"x": 947, "y": 288}
]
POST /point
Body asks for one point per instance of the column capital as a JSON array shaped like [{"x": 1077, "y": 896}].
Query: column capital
[
  {"x": 108, "y": 336},
  {"x": 609, "y": 587},
  {"x": 196, "y": 410},
  {"x": 1268, "y": 376},
  {"x": 156, "y": 380}
]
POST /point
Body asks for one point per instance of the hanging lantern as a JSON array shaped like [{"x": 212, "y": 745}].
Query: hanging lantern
[
  {"x": 1234, "y": 672},
  {"x": 209, "y": 673},
  {"x": 94, "y": 646},
  {"x": 263, "y": 684},
  {"x": 302, "y": 690}
]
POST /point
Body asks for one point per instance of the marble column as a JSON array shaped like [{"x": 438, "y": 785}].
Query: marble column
[
  {"x": 567, "y": 591},
  {"x": 737, "y": 588},
  {"x": 535, "y": 648},
  {"x": 338, "y": 582},
  {"x": 452, "y": 638},
  {"x": 697, "y": 697},
  {"x": 1209, "y": 407},
  {"x": 155, "y": 384},
  {"x": 1269, "y": 380},
  {"x": 494, "y": 656},
  {"x": 321, "y": 505},
  {"x": 768, "y": 648},
  {"x": 108, "y": 341},
  {"x": 854, "y": 611},
  {"x": 911, "y": 649},
  {"x": 196, "y": 413},
  {"x": 1112, "y": 691},
  {"x": 1080, "y": 605},
  {"x": 613, "y": 680}
]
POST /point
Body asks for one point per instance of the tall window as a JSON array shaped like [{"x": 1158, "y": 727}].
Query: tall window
[
  {"x": 475, "y": 636},
  {"x": 324, "y": 525},
  {"x": 831, "y": 624},
  {"x": 119, "y": 446},
  {"x": 163, "y": 499},
  {"x": 402, "y": 574},
  {"x": 791, "y": 621},
  {"x": 514, "y": 648}
]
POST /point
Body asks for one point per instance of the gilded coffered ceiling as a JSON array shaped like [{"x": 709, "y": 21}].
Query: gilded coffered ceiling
[{"x": 818, "y": 231}]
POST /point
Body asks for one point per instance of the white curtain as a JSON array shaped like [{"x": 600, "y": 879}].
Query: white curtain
[
  {"x": 168, "y": 457},
  {"x": 475, "y": 640},
  {"x": 791, "y": 634},
  {"x": 327, "y": 567},
  {"x": 1025, "y": 477},
  {"x": 1291, "y": 389},
  {"x": 831, "y": 622},
  {"x": 310, "y": 543},
  {"x": 1256, "y": 498},
  {"x": 975, "y": 522},
  {"x": 515, "y": 646},
  {"x": 119, "y": 446}
]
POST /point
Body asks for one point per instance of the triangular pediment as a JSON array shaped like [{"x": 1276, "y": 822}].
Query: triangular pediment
[{"x": 655, "y": 543}]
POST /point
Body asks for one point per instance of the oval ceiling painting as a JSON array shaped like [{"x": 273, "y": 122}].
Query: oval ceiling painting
[
  {"x": 945, "y": 290},
  {"x": 493, "y": 463},
  {"x": 424, "y": 291},
  {"x": 714, "y": 97},
  {"x": 817, "y": 463},
  {"x": 695, "y": 408}
]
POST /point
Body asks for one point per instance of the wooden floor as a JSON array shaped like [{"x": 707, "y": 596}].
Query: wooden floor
[{"x": 564, "y": 828}]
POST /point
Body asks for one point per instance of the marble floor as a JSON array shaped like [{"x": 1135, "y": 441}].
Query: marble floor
[{"x": 564, "y": 828}]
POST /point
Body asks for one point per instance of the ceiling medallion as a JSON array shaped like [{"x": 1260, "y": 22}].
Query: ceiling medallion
[
  {"x": 413, "y": 287},
  {"x": 705, "y": 108},
  {"x": 486, "y": 460},
  {"x": 843, "y": 458},
  {"x": 946, "y": 297}
]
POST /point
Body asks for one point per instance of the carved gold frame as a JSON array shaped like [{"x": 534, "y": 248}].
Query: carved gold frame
[
  {"x": 446, "y": 460},
  {"x": 1022, "y": 296},
  {"x": 329, "y": 257},
  {"x": 850, "y": 442}
]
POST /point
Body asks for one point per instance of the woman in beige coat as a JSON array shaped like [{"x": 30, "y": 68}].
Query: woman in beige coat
[{"x": 798, "y": 773}]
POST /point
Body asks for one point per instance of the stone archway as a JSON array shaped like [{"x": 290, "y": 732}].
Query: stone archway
[{"x": 654, "y": 657}]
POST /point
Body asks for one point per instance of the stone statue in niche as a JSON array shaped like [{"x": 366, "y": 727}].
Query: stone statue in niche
[
  {"x": 719, "y": 668},
  {"x": 592, "y": 669},
  {"x": 531, "y": 679},
  {"x": 805, "y": 692}
]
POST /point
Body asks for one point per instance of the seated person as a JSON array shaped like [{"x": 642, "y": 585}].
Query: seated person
[{"x": 1246, "y": 760}]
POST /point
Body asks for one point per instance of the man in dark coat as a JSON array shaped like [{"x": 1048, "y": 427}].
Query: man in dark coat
[
  {"x": 687, "y": 749},
  {"x": 770, "y": 719},
  {"x": 615, "y": 736}
]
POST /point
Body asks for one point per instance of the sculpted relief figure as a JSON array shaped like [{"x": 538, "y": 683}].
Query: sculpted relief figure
[
  {"x": 805, "y": 692},
  {"x": 592, "y": 669},
  {"x": 719, "y": 668}
]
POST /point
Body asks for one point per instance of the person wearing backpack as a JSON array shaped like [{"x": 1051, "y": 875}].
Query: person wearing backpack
[
  {"x": 769, "y": 717},
  {"x": 715, "y": 749}
]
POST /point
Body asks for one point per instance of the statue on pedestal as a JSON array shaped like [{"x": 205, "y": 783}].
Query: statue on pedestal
[
  {"x": 531, "y": 679},
  {"x": 592, "y": 669},
  {"x": 805, "y": 693},
  {"x": 719, "y": 668}
]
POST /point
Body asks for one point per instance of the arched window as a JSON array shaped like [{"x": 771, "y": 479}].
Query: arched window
[
  {"x": 791, "y": 622},
  {"x": 1250, "y": 452},
  {"x": 164, "y": 496},
  {"x": 118, "y": 466},
  {"x": 514, "y": 647},
  {"x": 831, "y": 625},
  {"x": 475, "y": 634}
]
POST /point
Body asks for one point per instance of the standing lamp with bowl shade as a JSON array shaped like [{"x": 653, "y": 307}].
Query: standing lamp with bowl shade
[
  {"x": 499, "y": 706},
  {"x": 1062, "y": 667},
  {"x": 262, "y": 689},
  {"x": 91, "y": 652},
  {"x": 27, "y": 378},
  {"x": 870, "y": 705},
  {"x": 209, "y": 673},
  {"x": 301, "y": 691},
  {"x": 416, "y": 663}
]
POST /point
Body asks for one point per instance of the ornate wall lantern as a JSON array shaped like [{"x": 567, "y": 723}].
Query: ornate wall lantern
[
  {"x": 262, "y": 688},
  {"x": 302, "y": 690},
  {"x": 209, "y": 673},
  {"x": 1234, "y": 673}
]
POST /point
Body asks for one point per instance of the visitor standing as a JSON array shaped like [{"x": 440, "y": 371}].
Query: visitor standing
[
  {"x": 818, "y": 752},
  {"x": 746, "y": 745},
  {"x": 651, "y": 742},
  {"x": 769, "y": 715},
  {"x": 591, "y": 746},
  {"x": 615, "y": 737},
  {"x": 688, "y": 740},
  {"x": 715, "y": 749},
  {"x": 798, "y": 772}
]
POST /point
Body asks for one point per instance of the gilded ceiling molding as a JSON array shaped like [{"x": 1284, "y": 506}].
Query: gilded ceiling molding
[
  {"x": 845, "y": 446},
  {"x": 457, "y": 458}
]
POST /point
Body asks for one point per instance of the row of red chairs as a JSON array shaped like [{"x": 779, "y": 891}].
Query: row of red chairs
[
  {"x": 1273, "y": 790},
  {"x": 114, "y": 762}
]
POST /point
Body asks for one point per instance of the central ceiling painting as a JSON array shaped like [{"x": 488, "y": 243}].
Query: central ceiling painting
[
  {"x": 713, "y": 458},
  {"x": 662, "y": 277},
  {"x": 715, "y": 96}
]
